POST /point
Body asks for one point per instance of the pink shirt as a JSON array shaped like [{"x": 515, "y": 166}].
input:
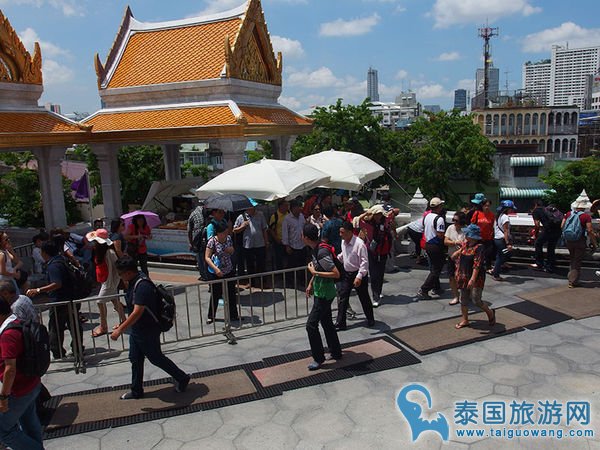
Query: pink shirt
[{"x": 355, "y": 257}]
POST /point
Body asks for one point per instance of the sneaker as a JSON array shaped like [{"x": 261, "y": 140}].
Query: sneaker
[
  {"x": 130, "y": 396},
  {"x": 334, "y": 357},
  {"x": 598, "y": 273},
  {"x": 182, "y": 385},
  {"x": 438, "y": 292},
  {"x": 314, "y": 365},
  {"x": 209, "y": 321},
  {"x": 375, "y": 304},
  {"x": 423, "y": 295}
]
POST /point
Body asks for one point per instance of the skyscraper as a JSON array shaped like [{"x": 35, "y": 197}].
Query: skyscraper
[
  {"x": 562, "y": 80},
  {"x": 536, "y": 80},
  {"x": 568, "y": 74},
  {"x": 460, "y": 99},
  {"x": 493, "y": 82},
  {"x": 372, "y": 85}
]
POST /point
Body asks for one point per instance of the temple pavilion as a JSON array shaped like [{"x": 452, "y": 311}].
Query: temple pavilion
[{"x": 211, "y": 79}]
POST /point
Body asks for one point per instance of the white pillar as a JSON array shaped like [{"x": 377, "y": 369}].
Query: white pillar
[
  {"x": 51, "y": 185},
  {"x": 282, "y": 147},
  {"x": 233, "y": 152},
  {"x": 172, "y": 163},
  {"x": 108, "y": 163}
]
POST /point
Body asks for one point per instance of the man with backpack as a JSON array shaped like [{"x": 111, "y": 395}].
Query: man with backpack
[
  {"x": 434, "y": 229},
  {"x": 324, "y": 273},
  {"x": 143, "y": 303},
  {"x": 20, "y": 427},
  {"x": 60, "y": 288},
  {"x": 576, "y": 226},
  {"x": 547, "y": 228}
]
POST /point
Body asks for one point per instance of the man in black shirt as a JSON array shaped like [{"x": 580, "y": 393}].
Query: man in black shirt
[
  {"x": 546, "y": 233},
  {"x": 58, "y": 289},
  {"x": 144, "y": 331}
]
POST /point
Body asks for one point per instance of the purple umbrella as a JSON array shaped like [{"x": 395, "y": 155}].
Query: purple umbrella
[{"x": 152, "y": 219}]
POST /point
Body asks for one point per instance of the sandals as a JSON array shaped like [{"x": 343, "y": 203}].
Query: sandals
[
  {"x": 98, "y": 331},
  {"x": 454, "y": 302},
  {"x": 492, "y": 321},
  {"x": 460, "y": 325}
]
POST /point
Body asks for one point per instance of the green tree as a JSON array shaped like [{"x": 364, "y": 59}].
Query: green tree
[
  {"x": 439, "y": 149},
  {"x": 351, "y": 128},
  {"x": 569, "y": 181},
  {"x": 196, "y": 170},
  {"x": 20, "y": 195},
  {"x": 265, "y": 151},
  {"x": 139, "y": 166}
]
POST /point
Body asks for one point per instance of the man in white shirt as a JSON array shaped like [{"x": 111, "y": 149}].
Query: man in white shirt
[
  {"x": 355, "y": 258},
  {"x": 291, "y": 236},
  {"x": 434, "y": 229}
]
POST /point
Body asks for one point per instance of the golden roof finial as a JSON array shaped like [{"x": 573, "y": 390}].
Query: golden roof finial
[{"x": 16, "y": 64}]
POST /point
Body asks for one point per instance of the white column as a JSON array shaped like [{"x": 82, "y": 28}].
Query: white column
[
  {"x": 51, "y": 185},
  {"x": 282, "y": 147},
  {"x": 108, "y": 163},
  {"x": 233, "y": 152},
  {"x": 172, "y": 163}
]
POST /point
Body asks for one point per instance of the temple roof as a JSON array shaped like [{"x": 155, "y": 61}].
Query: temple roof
[
  {"x": 39, "y": 127},
  {"x": 233, "y": 43},
  {"x": 195, "y": 120}
]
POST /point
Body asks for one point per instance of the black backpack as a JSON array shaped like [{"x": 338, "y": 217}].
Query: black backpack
[
  {"x": 35, "y": 360},
  {"x": 553, "y": 218},
  {"x": 165, "y": 304},
  {"x": 80, "y": 284}
]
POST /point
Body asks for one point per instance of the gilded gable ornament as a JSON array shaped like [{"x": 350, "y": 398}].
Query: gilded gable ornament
[{"x": 16, "y": 64}]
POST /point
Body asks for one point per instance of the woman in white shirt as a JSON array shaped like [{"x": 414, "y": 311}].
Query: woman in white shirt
[
  {"x": 453, "y": 239},
  {"x": 10, "y": 264},
  {"x": 502, "y": 238}
]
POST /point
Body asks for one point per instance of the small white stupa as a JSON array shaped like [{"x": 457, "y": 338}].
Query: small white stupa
[{"x": 582, "y": 201}]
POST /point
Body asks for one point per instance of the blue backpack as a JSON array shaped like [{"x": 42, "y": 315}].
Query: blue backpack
[{"x": 573, "y": 231}]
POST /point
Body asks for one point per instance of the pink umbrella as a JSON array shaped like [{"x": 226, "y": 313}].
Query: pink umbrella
[{"x": 152, "y": 219}]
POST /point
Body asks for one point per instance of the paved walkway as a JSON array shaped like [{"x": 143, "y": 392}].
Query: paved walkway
[{"x": 559, "y": 362}]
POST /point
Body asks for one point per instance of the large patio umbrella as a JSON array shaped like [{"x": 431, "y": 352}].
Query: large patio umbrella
[
  {"x": 347, "y": 170},
  {"x": 267, "y": 179}
]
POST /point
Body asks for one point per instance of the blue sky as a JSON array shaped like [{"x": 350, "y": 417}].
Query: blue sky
[{"x": 429, "y": 46}]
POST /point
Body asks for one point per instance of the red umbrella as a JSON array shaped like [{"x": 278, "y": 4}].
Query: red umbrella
[{"x": 152, "y": 219}]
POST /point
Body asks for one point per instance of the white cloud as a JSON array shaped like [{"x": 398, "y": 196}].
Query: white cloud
[
  {"x": 456, "y": 12},
  {"x": 466, "y": 83},
  {"x": 29, "y": 37},
  {"x": 68, "y": 7},
  {"x": 448, "y": 56},
  {"x": 435, "y": 90},
  {"x": 320, "y": 78},
  {"x": 401, "y": 74},
  {"x": 355, "y": 27},
  {"x": 289, "y": 47},
  {"x": 290, "y": 102},
  {"x": 570, "y": 32},
  {"x": 55, "y": 73},
  {"x": 215, "y": 6}
]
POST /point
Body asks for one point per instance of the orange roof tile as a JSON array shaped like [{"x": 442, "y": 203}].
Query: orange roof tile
[
  {"x": 34, "y": 122},
  {"x": 189, "y": 53},
  {"x": 275, "y": 116},
  {"x": 162, "y": 118}
]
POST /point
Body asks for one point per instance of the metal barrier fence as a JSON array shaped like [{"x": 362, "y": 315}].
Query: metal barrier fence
[{"x": 260, "y": 299}]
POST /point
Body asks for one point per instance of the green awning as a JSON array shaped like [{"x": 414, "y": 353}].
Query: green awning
[
  {"x": 527, "y": 161},
  {"x": 511, "y": 193}
]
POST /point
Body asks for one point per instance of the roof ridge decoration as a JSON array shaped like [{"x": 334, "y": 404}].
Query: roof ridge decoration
[
  {"x": 251, "y": 57},
  {"x": 16, "y": 63},
  {"x": 101, "y": 69}
]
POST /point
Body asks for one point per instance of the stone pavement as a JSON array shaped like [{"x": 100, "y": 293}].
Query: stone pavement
[{"x": 559, "y": 362}]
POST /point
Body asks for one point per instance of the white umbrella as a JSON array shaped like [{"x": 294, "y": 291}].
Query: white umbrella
[
  {"x": 347, "y": 170},
  {"x": 161, "y": 193},
  {"x": 267, "y": 179}
]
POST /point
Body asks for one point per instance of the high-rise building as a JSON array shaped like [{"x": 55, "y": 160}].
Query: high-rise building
[
  {"x": 460, "y": 99},
  {"x": 536, "y": 80},
  {"x": 372, "y": 85},
  {"x": 493, "y": 82},
  {"x": 568, "y": 74}
]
